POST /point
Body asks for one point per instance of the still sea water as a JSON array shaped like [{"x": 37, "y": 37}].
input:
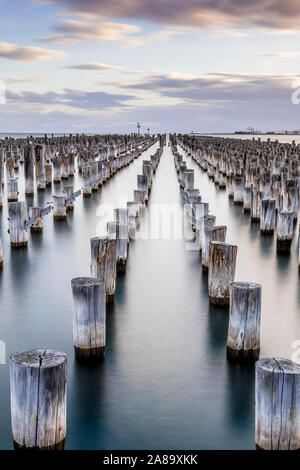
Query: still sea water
[{"x": 165, "y": 382}]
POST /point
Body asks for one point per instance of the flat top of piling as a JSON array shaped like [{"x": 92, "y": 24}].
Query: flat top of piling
[
  {"x": 278, "y": 365},
  {"x": 39, "y": 358},
  {"x": 86, "y": 281},
  {"x": 246, "y": 285}
]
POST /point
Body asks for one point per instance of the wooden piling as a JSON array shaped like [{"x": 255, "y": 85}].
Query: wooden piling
[
  {"x": 284, "y": 231},
  {"x": 243, "y": 341},
  {"x": 104, "y": 263},
  {"x": 89, "y": 318},
  {"x": 35, "y": 212},
  {"x": 29, "y": 169},
  {"x": 12, "y": 190},
  {"x": 40, "y": 166},
  {"x": 222, "y": 262},
  {"x": 38, "y": 399},
  {"x": 277, "y": 404},
  {"x": 217, "y": 233},
  {"x": 59, "y": 208},
  {"x": 268, "y": 216},
  {"x": 1, "y": 253},
  {"x": 17, "y": 219}
]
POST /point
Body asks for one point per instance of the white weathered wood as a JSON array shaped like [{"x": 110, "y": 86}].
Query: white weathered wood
[
  {"x": 35, "y": 212},
  {"x": 284, "y": 230},
  {"x": 247, "y": 198},
  {"x": 268, "y": 216},
  {"x": 17, "y": 218},
  {"x": 238, "y": 190},
  {"x": 89, "y": 318},
  {"x": 56, "y": 163},
  {"x": 59, "y": 208},
  {"x": 12, "y": 190},
  {"x": 48, "y": 174},
  {"x": 257, "y": 197},
  {"x": 243, "y": 340},
  {"x": 40, "y": 166},
  {"x": 87, "y": 181},
  {"x": 104, "y": 263},
  {"x": 65, "y": 171},
  {"x": 222, "y": 262},
  {"x": 38, "y": 399},
  {"x": 217, "y": 233},
  {"x": 277, "y": 404},
  {"x": 68, "y": 191},
  {"x": 29, "y": 169},
  {"x": 1, "y": 252},
  {"x": 121, "y": 233}
]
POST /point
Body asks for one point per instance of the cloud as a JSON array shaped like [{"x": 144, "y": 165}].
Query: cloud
[
  {"x": 72, "y": 31},
  {"x": 217, "y": 87},
  {"x": 94, "y": 66},
  {"x": 276, "y": 14},
  {"x": 86, "y": 100},
  {"x": 27, "y": 54},
  {"x": 283, "y": 55}
]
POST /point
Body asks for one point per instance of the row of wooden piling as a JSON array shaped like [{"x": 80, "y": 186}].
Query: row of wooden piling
[
  {"x": 262, "y": 177},
  {"x": 96, "y": 166},
  {"x": 277, "y": 380},
  {"x": 38, "y": 378}
]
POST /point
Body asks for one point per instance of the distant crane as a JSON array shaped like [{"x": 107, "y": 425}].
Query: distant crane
[{"x": 139, "y": 128}]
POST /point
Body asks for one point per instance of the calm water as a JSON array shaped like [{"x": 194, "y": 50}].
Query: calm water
[{"x": 165, "y": 382}]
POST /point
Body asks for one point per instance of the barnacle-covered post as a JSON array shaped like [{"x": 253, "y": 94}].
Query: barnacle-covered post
[
  {"x": 38, "y": 399},
  {"x": 222, "y": 262},
  {"x": 243, "y": 341},
  {"x": 89, "y": 318},
  {"x": 277, "y": 404}
]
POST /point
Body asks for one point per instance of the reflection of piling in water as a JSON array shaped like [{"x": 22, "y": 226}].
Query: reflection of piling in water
[
  {"x": 284, "y": 231},
  {"x": 243, "y": 341},
  {"x": 38, "y": 399},
  {"x": 222, "y": 262},
  {"x": 277, "y": 404},
  {"x": 89, "y": 318}
]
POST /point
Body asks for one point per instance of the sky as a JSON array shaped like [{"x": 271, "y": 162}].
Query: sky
[{"x": 172, "y": 65}]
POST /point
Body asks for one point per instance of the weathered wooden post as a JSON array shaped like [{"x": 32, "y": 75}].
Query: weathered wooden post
[
  {"x": 188, "y": 179},
  {"x": 17, "y": 219},
  {"x": 121, "y": 233},
  {"x": 56, "y": 162},
  {"x": 65, "y": 172},
  {"x": 87, "y": 179},
  {"x": 68, "y": 191},
  {"x": 48, "y": 174},
  {"x": 277, "y": 404},
  {"x": 40, "y": 166},
  {"x": 12, "y": 190},
  {"x": 238, "y": 185},
  {"x": 217, "y": 233},
  {"x": 142, "y": 185},
  {"x": 104, "y": 263},
  {"x": 38, "y": 399},
  {"x": 268, "y": 216},
  {"x": 222, "y": 262},
  {"x": 59, "y": 208},
  {"x": 243, "y": 341},
  {"x": 284, "y": 230},
  {"x": 29, "y": 169},
  {"x": 247, "y": 198},
  {"x": 35, "y": 213},
  {"x": 1, "y": 253},
  {"x": 208, "y": 221},
  {"x": 89, "y": 318},
  {"x": 139, "y": 196},
  {"x": 257, "y": 197},
  {"x": 10, "y": 165}
]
